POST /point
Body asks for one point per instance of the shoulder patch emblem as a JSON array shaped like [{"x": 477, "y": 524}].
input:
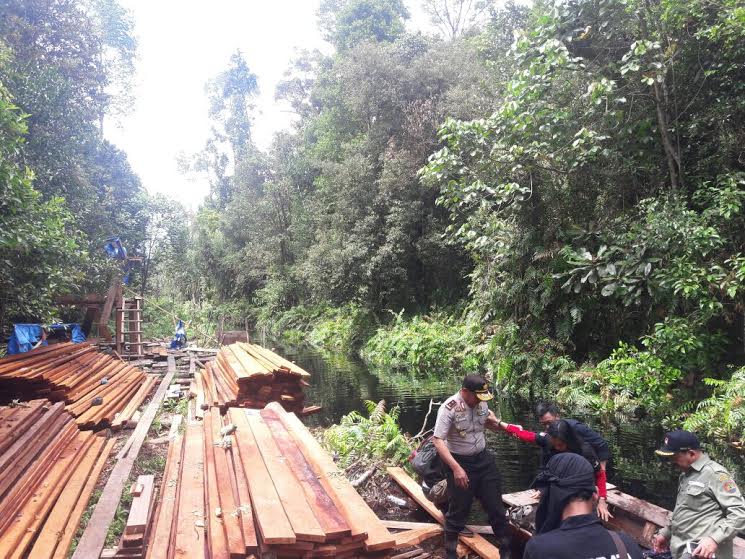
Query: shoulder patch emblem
[
  {"x": 451, "y": 404},
  {"x": 729, "y": 486}
]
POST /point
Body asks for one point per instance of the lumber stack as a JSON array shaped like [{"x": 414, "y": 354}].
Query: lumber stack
[
  {"x": 257, "y": 483},
  {"x": 250, "y": 376},
  {"x": 132, "y": 543},
  {"x": 98, "y": 389},
  {"x": 50, "y": 469}
]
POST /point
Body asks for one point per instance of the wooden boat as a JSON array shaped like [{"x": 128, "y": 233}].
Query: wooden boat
[{"x": 638, "y": 518}]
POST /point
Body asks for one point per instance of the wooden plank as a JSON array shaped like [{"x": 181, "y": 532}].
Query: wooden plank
[
  {"x": 65, "y": 538},
  {"x": 417, "y": 536},
  {"x": 358, "y": 514},
  {"x": 139, "y": 512},
  {"x": 227, "y": 494},
  {"x": 274, "y": 526},
  {"x": 304, "y": 523},
  {"x": 93, "y": 539},
  {"x": 164, "y": 519},
  {"x": 55, "y": 525},
  {"x": 331, "y": 520},
  {"x": 20, "y": 535},
  {"x": 244, "y": 500},
  {"x": 476, "y": 542},
  {"x": 190, "y": 527},
  {"x": 216, "y": 538}
]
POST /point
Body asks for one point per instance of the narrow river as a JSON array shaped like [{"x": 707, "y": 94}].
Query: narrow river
[{"x": 341, "y": 384}]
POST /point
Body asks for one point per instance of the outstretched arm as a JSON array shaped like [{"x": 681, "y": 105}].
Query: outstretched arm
[{"x": 518, "y": 432}]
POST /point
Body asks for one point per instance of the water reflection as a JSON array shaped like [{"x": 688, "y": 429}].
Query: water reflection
[{"x": 341, "y": 384}]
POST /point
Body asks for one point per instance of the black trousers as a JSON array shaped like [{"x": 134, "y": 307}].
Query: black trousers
[{"x": 484, "y": 483}]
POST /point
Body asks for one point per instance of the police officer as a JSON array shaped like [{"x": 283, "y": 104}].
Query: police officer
[
  {"x": 709, "y": 508},
  {"x": 472, "y": 472}
]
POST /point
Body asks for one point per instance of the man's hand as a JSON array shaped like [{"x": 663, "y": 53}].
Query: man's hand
[
  {"x": 660, "y": 543},
  {"x": 461, "y": 477},
  {"x": 603, "y": 511},
  {"x": 706, "y": 548},
  {"x": 492, "y": 422}
]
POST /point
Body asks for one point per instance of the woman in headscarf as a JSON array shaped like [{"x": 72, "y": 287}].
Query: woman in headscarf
[{"x": 561, "y": 437}]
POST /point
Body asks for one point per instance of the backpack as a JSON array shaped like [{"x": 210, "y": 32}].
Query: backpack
[{"x": 427, "y": 463}]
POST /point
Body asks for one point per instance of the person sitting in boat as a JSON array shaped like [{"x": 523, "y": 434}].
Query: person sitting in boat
[
  {"x": 566, "y": 526},
  {"x": 709, "y": 508},
  {"x": 560, "y": 437}
]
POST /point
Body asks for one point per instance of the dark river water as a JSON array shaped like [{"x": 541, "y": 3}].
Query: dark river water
[{"x": 341, "y": 384}]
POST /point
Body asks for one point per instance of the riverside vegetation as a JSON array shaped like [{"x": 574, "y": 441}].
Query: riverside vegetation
[{"x": 553, "y": 195}]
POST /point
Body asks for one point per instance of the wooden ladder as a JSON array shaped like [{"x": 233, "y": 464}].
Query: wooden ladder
[{"x": 129, "y": 327}]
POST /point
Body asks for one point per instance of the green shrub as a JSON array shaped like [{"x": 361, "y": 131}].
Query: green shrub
[
  {"x": 377, "y": 437},
  {"x": 721, "y": 417},
  {"x": 344, "y": 329},
  {"x": 435, "y": 343}
]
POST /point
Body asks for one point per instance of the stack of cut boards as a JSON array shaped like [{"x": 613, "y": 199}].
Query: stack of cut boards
[
  {"x": 49, "y": 470},
  {"x": 256, "y": 483},
  {"x": 250, "y": 376},
  {"x": 98, "y": 390},
  {"x": 132, "y": 543}
]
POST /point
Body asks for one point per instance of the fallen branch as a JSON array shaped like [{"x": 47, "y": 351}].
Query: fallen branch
[{"x": 365, "y": 476}]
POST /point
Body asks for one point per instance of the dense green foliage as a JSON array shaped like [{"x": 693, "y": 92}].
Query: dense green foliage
[
  {"x": 554, "y": 196},
  {"x": 377, "y": 437},
  {"x": 569, "y": 177},
  {"x": 63, "y": 188}
]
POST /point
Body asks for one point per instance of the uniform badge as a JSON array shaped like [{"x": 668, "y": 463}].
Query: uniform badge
[
  {"x": 729, "y": 486},
  {"x": 450, "y": 405},
  {"x": 482, "y": 411}
]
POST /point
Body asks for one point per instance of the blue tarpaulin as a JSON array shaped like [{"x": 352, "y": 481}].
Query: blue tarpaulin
[
  {"x": 26, "y": 336},
  {"x": 116, "y": 250},
  {"x": 179, "y": 337}
]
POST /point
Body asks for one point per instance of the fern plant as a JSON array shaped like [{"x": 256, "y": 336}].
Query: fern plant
[
  {"x": 377, "y": 437},
  {"x": 722, "y": 416}
]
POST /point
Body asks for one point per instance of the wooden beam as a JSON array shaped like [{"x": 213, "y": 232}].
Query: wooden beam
[
  {"x": 476, "y": 542},
  {"x": 418, "y": 535},
  {"x": 93, "y": 539}
]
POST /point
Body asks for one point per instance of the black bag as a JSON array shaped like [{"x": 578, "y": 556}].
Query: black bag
[{"x": 427, "y": 463}]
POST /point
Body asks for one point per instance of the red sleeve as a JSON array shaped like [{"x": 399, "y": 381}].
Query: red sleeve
[
  {"x": 520, "y": 433},
  {"x": 600, "y": 480}
]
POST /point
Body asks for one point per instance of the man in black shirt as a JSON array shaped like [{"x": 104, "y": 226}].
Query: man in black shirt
[
  {"x": 571, "y": 530},
  {"x": 547, "y": 413}
]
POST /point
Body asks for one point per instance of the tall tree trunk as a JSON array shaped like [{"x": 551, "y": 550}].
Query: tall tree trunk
[{"x": 673, "y": 164}]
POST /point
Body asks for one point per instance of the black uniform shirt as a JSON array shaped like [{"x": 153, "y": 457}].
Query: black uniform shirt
[
  {"x": 592, "y": 437},
  {"x": 579, "y": 537}
]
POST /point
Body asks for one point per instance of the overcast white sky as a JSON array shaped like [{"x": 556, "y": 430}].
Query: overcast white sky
[{"x": 183, "y": 44}]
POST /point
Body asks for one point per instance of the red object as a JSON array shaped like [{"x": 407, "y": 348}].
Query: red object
[
  {"x": 600, "y": 480},
  {"x": 520, "y": 433}
]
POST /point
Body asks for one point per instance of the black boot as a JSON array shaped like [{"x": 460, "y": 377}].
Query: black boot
[{"x": 451, "y": 544}]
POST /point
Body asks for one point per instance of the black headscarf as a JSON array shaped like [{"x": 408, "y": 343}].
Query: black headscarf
[{"x": 565, "y": 475}]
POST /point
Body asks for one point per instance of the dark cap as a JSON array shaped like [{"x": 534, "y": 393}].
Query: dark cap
[
  {"x": 677, "y": 441},
  {"x": 478, "y": 385}
]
